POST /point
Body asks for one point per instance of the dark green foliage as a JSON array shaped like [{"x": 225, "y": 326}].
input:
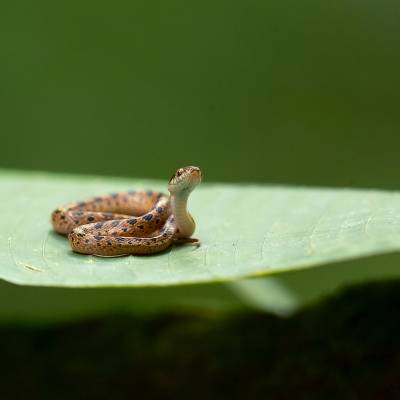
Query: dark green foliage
[{"x": 344, "y": 348}]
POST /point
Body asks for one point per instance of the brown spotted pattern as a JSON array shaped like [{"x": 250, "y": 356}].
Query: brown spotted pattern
[{"x": 136, "y": 222}]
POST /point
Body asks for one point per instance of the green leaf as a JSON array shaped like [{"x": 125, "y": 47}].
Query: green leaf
[{"x": 245, "y": 230}]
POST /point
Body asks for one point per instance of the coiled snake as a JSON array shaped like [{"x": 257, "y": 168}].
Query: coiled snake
[{"x": 133, "y": 222}]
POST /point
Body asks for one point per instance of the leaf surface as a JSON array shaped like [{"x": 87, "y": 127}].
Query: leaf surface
[{"x": 245, "y": 230}]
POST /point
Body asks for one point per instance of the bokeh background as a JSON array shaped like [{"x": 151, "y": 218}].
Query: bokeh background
[
  {"x": 265, "y": 91},
  {"x": 289, "y": 92}
]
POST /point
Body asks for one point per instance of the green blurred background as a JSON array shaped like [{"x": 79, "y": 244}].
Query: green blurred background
[
  {"x": 303, "y": 93},
  {"x": 268, "y": 91}
]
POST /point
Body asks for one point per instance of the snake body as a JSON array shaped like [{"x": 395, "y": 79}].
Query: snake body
[{"x": 133, "y": 222}]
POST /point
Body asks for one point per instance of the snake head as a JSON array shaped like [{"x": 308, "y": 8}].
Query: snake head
[{"x": 184, "y": 180}]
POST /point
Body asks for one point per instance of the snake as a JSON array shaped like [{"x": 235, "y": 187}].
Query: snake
[{"x": 132, "y": 222}]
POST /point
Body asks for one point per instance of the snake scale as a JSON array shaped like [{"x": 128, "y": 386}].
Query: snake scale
[{"x": 132, "y": 222}]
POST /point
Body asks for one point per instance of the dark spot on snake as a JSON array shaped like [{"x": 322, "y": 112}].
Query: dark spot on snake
[
  {"x": 107, "y": 215},
  {"x": 140, "y": 226},
  {"x": 87, "y": 241},
  {"x": 120, "y": 239},
  {"x": 125, "y": 229},
  {"x": 90, "y": 219},
  {"x": 62, "y": 217},
  {"x": 115, "y": 223},
  {"x": 159, "y": 210},
  {"x": 149, "y": 193},
  {"x": 57, "y": 211},
  {"x": 97, "y": 199},
  {"x": 157, "y": 220},
  {"x": 76, "y": 221},
  {"x": 99, "y": 225},
  {"x": 79, "y": 213},
  {"x": 80, "y": 234},
  {"x": 109, "y": 243},
  {"x": 132, "y": 221},
  {"x": 99, "y": 237},
  {"x": 82, "y": 204},
  {"x": 164, "y": 234},
  {"x": 148, "y": 217},
  {"x": 98, "y": 244}
]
